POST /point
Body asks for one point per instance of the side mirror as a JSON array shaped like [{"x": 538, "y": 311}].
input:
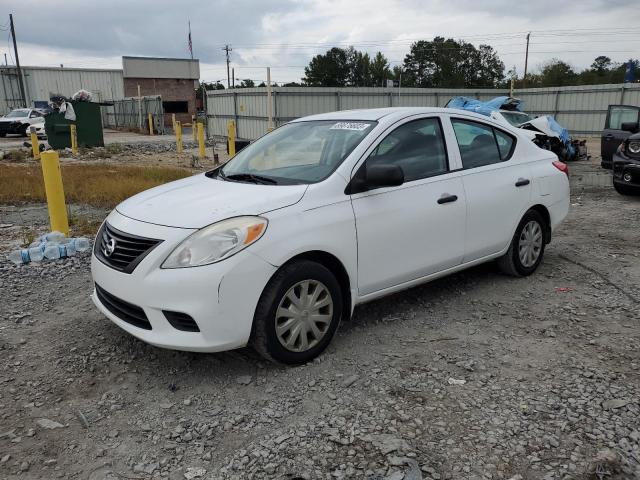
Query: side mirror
[
  {"x": 629, "y": 127},
  {"x": 370, "y": 177},
  {"x": 384, "y": 176}
]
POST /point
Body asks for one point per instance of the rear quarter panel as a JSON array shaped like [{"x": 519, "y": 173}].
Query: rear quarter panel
[{"x": 551, "y": 188}]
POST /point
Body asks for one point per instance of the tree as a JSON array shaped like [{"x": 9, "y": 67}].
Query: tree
[
  {"x": 328, "y": 70},
  {"x": 359, "y": 67},
  {"x": 602, "y": 64},
  {"x": 347, "y": 67},
  {"x": 452, "y": 64},
  {"x": 380, "y": 71},
  {"x": 556, "y": 73},
  {"x": 213, "y": 85},
  {"x": 247, "y": 83}
]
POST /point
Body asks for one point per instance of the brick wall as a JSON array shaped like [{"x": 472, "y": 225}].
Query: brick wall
[{"x": 171, "y": 89}]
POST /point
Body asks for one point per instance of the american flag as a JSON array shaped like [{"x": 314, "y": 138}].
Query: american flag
[{"x": 190, "y": 44}]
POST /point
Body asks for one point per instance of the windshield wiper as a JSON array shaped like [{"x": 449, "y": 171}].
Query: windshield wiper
[{"x": 250, "y": 177}]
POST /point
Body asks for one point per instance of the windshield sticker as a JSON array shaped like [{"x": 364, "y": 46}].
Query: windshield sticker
[{"x": 350, "y": 126}]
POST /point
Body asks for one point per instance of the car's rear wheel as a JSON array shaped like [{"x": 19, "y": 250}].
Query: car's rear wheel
[
  {"x": 527, "y": 246},
  {"x": 298, "y": 313}
]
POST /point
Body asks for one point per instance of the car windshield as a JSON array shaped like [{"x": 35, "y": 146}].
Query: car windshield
[
  {"x": 18, "y": 113},
  {"x": 299, "y": 152},
  {"x": 517, "y": 118}
]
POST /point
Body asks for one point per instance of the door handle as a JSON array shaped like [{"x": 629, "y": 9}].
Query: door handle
[
  {"x": 608, "y": 136},
  {"x": 522, "y": 182},
  {"x": 446, "y": 198}
]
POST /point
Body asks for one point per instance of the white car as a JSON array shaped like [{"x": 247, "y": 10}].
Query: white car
[
  {"x": 20, "y": 120},
  {"x": 280, "y": 244}
]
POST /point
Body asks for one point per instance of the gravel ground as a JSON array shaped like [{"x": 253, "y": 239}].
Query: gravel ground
[{"x": 474, "y": 376}]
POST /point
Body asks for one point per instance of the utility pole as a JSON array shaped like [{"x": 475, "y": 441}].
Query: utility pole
[
  {"x": 269, "y": 104},
  {"x": 19, "y": 70},
  {"x": 526, "y": 61},
  {"x": 228, "y": 49}
]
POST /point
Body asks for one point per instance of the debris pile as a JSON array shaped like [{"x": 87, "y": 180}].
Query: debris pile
[{"x": 52, "y": 246}]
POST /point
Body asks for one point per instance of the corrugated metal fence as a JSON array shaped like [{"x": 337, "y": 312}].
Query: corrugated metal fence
[
  {"x": 42, "y": 82},
  {"x": 582, "y": 109},
  {"x": 129, "y": 113}
]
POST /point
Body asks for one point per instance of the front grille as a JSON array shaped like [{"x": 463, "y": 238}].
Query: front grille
[
  {"x": 129, "y": 249},
  {"x": 181, "y": 321},
  {"x": 125, "y": 311}
]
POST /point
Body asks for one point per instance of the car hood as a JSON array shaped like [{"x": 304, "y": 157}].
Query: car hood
[
  {"x": 542, "y": 125},
  {"x": 13, "y": 119},
  {"x": 198, "y": 201}
]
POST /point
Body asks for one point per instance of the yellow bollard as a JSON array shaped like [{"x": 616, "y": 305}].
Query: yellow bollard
[
  {"x": 201, "y": 141},
  {"x": 179, "y": 137},
  {"x": 35, "y": 146},
  {"x": 173, "y": 121},
  {"x": 74, "y": 139},
  {"x": 194, "y": 128},
  {"x": 231, "y": 125},
  {"x": 54, "y": 191},
  {"x": 150, "y": 124}
]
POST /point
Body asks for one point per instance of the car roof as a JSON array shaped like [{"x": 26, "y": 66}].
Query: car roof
[{"x": 376, "y": 114}]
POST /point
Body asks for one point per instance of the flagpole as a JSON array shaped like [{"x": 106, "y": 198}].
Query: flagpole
[{"x": 190, "y": 44}]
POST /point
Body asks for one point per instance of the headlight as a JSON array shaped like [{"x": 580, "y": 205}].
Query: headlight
[
  {"x": 216, "y": 242},
  {"x": 634, "y": 146}
]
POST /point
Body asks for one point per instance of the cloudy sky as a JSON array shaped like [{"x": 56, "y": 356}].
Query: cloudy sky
[{"x": 285, "y": 34}]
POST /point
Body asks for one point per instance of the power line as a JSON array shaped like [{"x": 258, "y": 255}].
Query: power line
[{"x": 408, "y": 40}]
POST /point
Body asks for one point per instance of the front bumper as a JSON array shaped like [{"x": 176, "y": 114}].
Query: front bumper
[
  {"x": 221, "y": 298},
  {"x": 11, "y": 127},
  {"x": 626, "y": 171}
]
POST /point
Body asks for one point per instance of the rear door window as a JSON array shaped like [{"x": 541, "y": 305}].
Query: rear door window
[
  {"x": 619, "y": 114},
  {"x": 481, "y": 144}
]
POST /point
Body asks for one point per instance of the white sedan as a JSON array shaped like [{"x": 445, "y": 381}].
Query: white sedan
[
  {"x": 279, "y": 245},
  {"x": 20, "y": 120}
]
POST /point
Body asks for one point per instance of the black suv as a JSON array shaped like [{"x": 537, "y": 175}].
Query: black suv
[
  {"x": 613, "y": 134},
  {"x": 626, "y": 162}
]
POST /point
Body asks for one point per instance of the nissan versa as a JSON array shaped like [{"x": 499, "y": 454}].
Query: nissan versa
[{"x": 275, "y": 247}]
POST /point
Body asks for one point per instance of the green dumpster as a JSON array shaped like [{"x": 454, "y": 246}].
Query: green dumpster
[{"x": 88, "y": 127}]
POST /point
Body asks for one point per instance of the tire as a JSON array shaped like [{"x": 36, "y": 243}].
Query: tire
[
  {"x": 288, "y": 283},
  {"x": 3, "y": 134},
  {"x": 511, "y": 263},
  {"x": 24, "y": 130},
  {"x": 625, "y": 189}
]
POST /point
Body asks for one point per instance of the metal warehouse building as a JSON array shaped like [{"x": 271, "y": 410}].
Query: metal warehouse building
[
  {"x": 169, "y": 82},
  {"x": 581, "y": 109},
  {"x": 41, "y": 83}
]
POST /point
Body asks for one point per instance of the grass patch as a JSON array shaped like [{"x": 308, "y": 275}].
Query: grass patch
[
  {"x": 16, "y": 155},
  {"x": 82, "y": 226},
  {"x": 98, "y": 185}
]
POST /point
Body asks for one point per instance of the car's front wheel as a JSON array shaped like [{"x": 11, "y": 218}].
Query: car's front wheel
[
  {"x": 527, "y": 246},
  {"x": 298, "y": 313},
  {"x": 625, "y": 189}
]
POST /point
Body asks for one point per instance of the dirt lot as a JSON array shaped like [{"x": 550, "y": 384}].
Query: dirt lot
[
  {"x": 475, "y": 376},
  {"x": 132, "y": 149}
]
